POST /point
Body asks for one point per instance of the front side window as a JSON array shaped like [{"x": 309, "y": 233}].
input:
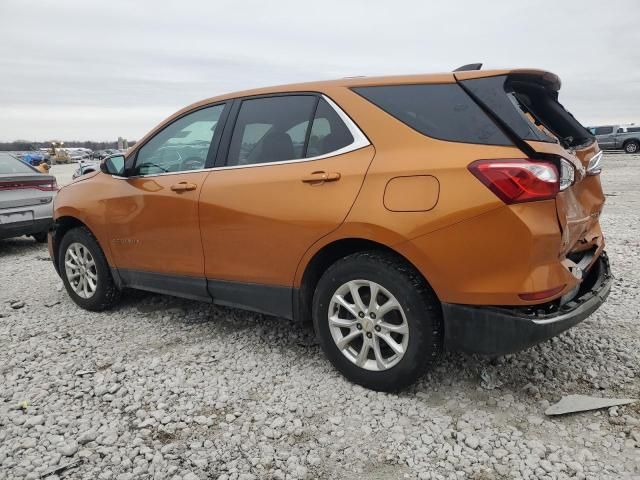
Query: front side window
[
  {"x": 271, "y": 129},
  {"x": 181, "y": 146}
]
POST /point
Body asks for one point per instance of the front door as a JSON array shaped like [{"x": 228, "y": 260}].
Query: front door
[
  {"x": 294, "y": 167},
  {"x": 153, "y": 213}
]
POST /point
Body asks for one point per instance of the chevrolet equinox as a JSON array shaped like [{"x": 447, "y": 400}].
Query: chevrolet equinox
[{"x": 401, "y": 215}]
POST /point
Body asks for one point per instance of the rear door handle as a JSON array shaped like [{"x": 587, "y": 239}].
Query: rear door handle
[
  {"x": 320, "y": 177},
  {"x": 183, "y": 187}
]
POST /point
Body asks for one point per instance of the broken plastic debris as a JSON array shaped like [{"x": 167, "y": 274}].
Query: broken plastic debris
[
  {"x": 60, "y": 468},
  {"x": 583, "y": 403},
  {"x": 489, "y": 382}
]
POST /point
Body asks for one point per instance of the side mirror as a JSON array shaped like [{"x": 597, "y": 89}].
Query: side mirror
[{"x": 113, "y": 165}]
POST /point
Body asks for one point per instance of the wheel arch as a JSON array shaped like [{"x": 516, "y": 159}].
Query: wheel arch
[
  {"x": 325, "y": 257},
  {"x": 60, "y": 227},
  {"x": 630, "y": 140}
]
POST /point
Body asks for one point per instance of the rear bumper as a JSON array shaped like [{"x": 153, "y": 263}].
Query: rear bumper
[
  {"x": 502, "y": 330},
  {"x": 17, "y": 229}
]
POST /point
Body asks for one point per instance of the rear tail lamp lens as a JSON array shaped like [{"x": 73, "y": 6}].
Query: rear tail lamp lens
[
  {"x": 43, "y": 185},
  {"x": 518, "y": 180}
]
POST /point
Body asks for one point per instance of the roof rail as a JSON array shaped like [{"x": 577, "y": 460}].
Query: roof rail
[{"x": 469, "y": 66}]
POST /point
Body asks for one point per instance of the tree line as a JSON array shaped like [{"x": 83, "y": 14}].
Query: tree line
[{"x": 24, "y": 145}]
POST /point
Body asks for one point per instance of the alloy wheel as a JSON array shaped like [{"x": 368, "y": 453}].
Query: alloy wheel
[
  {"x": 81, "y": 270},
  {"x": 368, "y": 325}
]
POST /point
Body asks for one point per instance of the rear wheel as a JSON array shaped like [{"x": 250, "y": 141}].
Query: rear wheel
[
  {"x": 377, "y": 320},
  {"x": 85, "y": 272},
  {"x": 632, "y": 147}
]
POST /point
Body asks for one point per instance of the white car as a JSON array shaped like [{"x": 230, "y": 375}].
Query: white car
[{"x": 26, "y": 199}]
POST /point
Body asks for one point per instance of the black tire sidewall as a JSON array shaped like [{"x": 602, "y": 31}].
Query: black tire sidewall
[
  {"x": 101, "y": 299},
  {"x": 416, "y": 309},
  {"x": 40, "y": 237}
]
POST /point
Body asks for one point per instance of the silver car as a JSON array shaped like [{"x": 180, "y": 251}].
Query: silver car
[{"x": 26, "y": 199}]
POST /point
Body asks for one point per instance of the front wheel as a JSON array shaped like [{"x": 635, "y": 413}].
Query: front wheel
[
  {"x": 377, "y": 320},
  {"x": 632, "y": 147},
  {"x": 85, "y": 271}
]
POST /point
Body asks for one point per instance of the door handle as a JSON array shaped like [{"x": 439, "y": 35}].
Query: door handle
[
  {"x": 183, "y": 187},
  {"x": 317, "y": 178}
]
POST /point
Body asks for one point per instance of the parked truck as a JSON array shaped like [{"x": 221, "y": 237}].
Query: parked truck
[{"x": 618, "y": 137}]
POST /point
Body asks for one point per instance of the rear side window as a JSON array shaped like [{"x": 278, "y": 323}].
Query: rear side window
[
  {"x": 9, "y": 165},
  {"x": 328, "y": 132},
  {"x": 442, "y": 111},
  {"x": 633, "y": 129},
  {"x": 271, "y": 129}
]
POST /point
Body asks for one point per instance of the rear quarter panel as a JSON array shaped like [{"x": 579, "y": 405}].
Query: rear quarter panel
[{"x": 401, "y": 151}]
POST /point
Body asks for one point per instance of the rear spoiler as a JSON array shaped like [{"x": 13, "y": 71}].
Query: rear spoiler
[{"x": 469, "y": 67}]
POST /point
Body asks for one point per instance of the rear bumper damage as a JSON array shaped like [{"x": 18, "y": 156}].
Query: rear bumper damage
[{"x": 502, "y": 330}]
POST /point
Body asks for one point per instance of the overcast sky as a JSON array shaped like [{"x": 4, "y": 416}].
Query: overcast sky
[{"x": 96, "y": 70}]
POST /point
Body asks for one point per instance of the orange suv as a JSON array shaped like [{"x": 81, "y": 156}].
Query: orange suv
[{"x": 401, "y": 215}]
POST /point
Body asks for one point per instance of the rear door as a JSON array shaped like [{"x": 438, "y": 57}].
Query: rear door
[{"x": 291, "y": 171}]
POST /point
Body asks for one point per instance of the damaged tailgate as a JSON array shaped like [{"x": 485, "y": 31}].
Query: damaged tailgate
[{"x": 524, "y": 103}]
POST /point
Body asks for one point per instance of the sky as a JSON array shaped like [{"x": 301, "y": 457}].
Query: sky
[{"x": 99, "y": 69}]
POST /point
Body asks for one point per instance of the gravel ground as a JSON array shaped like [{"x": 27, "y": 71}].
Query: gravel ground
[{"x": 182, "y": 390}]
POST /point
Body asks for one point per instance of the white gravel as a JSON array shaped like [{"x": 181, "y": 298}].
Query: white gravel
[{"x": 168, "y": 388}]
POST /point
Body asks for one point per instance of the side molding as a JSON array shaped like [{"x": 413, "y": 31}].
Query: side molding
[
  {"x": 194, "y": 288},
  {"x": 268, "y": 299}
]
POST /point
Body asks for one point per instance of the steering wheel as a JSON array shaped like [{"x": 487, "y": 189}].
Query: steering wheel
[{"x": 192, "y": 163}]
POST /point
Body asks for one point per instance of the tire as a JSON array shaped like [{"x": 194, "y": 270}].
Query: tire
[
  {"x": 420, "y": 314},
  {"x": 40, "y": 237},
  {"x": 632, "y": 147},
  {"x": 105, "y": 293}
]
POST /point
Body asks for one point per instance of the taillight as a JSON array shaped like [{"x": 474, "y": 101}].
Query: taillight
[
  {"x": 43, "y": 185},
  {"x": 518, "y": 180}
]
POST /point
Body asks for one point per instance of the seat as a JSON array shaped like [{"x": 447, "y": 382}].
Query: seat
[{"x": 276, "y": 147}]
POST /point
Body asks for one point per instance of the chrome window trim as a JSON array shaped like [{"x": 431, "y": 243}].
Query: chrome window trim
[{"x": 360, "y": 140}]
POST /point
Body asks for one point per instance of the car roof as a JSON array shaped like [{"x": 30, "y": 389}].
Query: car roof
[
  {"x": 348, "y": 82},
  {"x": 351, "y": 82}
]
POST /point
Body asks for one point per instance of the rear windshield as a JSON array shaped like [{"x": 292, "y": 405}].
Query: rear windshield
[
  {"x": 529, "y": 109},
  {"x": 10, "y": 165},
  {"x": 442, "y": 111}
]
